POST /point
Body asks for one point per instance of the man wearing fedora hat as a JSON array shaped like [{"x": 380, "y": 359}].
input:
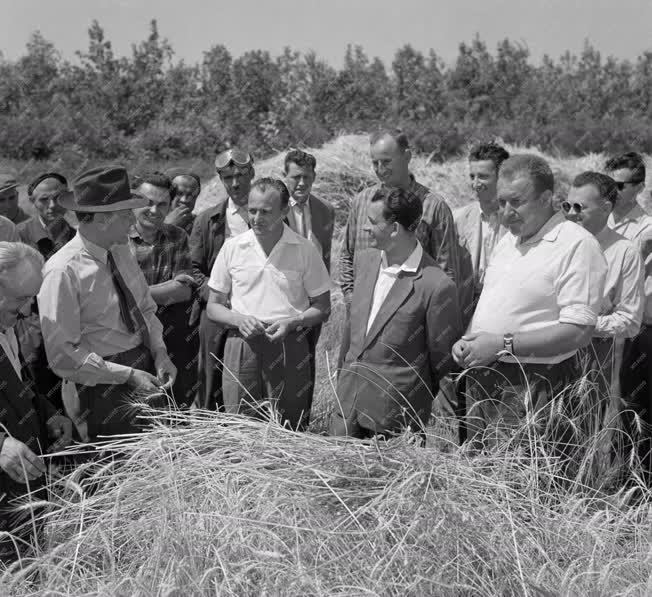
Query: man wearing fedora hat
[
  {"x": 97, "y": 314},
  {"x": 212, "y": 227},
  {"x": 9, "y": 207}
]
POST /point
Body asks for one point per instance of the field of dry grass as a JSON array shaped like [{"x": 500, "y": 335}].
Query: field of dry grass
[{"x": 220, "y": 505}]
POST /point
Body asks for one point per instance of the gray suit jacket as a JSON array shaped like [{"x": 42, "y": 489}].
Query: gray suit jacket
[{"x": 391, "y": 374}]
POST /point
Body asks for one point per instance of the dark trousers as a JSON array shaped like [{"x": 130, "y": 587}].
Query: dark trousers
[
  {"x": 111, "y": 409},
  {"x": 182, "y": 343},
  {"x": 360, "y": 427},
  {"x": 499, "y": 397},
  {"x": 257, "y": 370},
  {"x": 212, "y": 337},
  {"x": 636, "y": 388}
]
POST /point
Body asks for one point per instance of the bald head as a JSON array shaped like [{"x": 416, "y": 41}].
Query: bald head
[
  {"x": 20, "y": 280},
  {"x": 390, "y": 158}
]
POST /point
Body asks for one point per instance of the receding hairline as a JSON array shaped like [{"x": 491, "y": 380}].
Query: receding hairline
[{"x": 50, "y": 181}]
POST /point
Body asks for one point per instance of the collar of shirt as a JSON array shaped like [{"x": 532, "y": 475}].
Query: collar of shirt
[
  {"x": 135, "y": 235},
  {"x": 492, "y": 219},
  {"x": 295, "y": 203},
  {"x": 234, "y": 208},
  {"x": 634, "y": 214},
  {"x": 409, "y": 265},
  {"x": 549, "y": 231},
  {"x": 249, "y": 239},
  {"x": 95, "y": 251}
]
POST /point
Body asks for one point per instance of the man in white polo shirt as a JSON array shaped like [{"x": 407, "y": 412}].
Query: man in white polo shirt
[
  {"x": 278, "y": 287},
  {"x": 539, "y": 304}
]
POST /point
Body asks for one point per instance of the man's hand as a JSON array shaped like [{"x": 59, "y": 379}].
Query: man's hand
[
  {"x": 481, "y": 348},
  {"x": 186, "y": 279},
  {"x": 250, "y": 326},
  {"x": 165, "y": 371},
  {"x": 19, "y": 462},
  {"x": 179, "y": 216},
  {"x": 460, "y": 350},
  {"x": 141, "y": 380},
  {"x": 59, "y": 429},
  {"x": 277, "y": 331}
]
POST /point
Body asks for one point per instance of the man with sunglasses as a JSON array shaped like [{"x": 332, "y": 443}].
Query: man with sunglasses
[
  {"x": 629, "y": 219},
  {"x": 226, "y": 219},
  {"x": 590, "y": 202}
]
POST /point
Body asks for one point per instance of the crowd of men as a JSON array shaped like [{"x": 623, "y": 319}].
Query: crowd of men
[{"x": 493, "y": 311}]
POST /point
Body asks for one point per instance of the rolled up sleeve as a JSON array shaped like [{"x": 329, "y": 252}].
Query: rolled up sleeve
[
  {"x": 220, "y": 278},
  {"x": 580, "y": 283},
  {"x": 316, "y": 280}
]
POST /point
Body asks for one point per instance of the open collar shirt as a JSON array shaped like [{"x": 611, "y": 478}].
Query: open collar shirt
[
  {"x": 80, "y": 316},
  {"x": 237, "y": 219},
  {"x": 269, "y": 287},
  {"x": 387, "y": 276},
  {"x": 557, "y": 276}
]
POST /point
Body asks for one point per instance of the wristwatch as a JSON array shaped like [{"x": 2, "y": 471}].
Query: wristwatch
[{"x": 508, "y": 343}]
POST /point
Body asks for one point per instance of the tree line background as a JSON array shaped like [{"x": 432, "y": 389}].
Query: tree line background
[{"x": 151, "y": 106}]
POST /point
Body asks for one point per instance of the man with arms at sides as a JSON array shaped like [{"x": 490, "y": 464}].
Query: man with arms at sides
[
  {"x": 309, "y": 216},
  {"x": 478, "y": 224},
  {"x": 97, "y": 314},
  {"x": 48, "y": 230},
  {"x": 404, "y": 320},
  {"x": 186, "y": 187},
  {"x": 268, "y": 286},
  {"x": 228, "y": 218},
  {"x": 9, "y": 207},
  {"x": 542, "y": 293},
  {"x": 390, "y": 157},
  {"x": 27, "y": 421},
  {"x": 164, "y": 256},
  {"x": 629, "y": 219},
  {"x": 590, "y": 201},
  {"x": 479, "y": 229}
]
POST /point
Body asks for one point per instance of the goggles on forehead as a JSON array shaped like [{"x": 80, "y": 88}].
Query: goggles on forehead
[{"x": 233, "y": 156}]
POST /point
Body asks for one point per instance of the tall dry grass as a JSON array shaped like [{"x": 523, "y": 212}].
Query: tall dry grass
[{"x": 209, "y": 504}]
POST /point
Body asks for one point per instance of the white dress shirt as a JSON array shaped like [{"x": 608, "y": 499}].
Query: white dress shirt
[
  {"x": 303, "y": 221},
  {"x": 622, "y": 306},
  {"x": 387, "y": 276},
  {"x": 10, "y": 346},
  {"x": 237, "y": 219},
  {"x": 557, "y": 276},
  {"x": 490, "y": 227},
  {"x": 269, "y": 287}
]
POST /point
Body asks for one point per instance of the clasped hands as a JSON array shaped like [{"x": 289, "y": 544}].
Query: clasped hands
[
  {"x": 478, "y": 349},
  {"x": 250, "y": 326}
]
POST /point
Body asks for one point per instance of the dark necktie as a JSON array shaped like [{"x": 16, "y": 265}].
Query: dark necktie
[{"x": 131, "y": 314}]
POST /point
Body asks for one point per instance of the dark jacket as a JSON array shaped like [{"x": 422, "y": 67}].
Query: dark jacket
[
  {"x": 206, "y": 240},
  {"x": 322, "y": 215},
  {"x": 391, "y": 374}
]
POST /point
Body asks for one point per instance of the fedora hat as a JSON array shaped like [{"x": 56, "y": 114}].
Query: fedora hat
[{"x": 102, "y": 189}]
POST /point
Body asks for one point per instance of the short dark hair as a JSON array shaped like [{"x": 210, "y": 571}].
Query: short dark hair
[
  {"x": 85, "y": 217},
  {"x": 400, "y": 206},
  {"x": 631, "y": 160},
  {"x": 300, "y": 158},
  {"x": 41, "y": 177},
  {"x": 156, "y": 179},
  {"x": 534, "y": 166},
  {"x": 264, "y": 184},
  {"x": 606, "y": 185},
  {"x": 489, "y": 151},
  {"x": 395, "y": 133}
]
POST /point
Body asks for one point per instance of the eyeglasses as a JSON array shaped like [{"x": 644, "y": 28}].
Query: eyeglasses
[
  {"x": 621, "y": 183},
  {"x": 576, "y": 207},
  {"x": 233, "y": 156}
]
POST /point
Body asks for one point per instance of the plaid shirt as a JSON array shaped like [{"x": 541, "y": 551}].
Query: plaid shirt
[
  {"x": 436, "y": 233},
  {"x": 168, "y": 257}
]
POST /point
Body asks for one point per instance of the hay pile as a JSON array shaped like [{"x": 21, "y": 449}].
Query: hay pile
[
  {"x": 344, "y": 168},
  {"x": 226, "y": 506}
]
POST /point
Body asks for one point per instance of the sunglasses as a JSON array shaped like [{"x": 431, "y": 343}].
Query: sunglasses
[
  {"x": 576, "y": 207},
  {"x": 621, "y": 184},
  {"x": 233, "y": 156}
]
